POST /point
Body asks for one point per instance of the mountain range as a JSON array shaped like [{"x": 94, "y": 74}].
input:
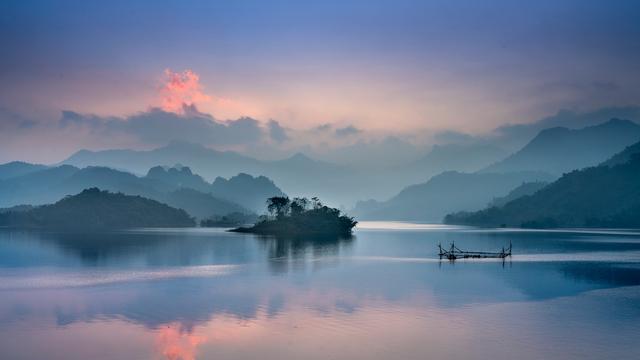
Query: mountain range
[
  {"x": 548, "y": 155},
  {"x": 444, "y": 193},
  {"x": 559, "y": 150},
  {"x": 177, "y": 187},
  {"x": 607, "y": 195}
]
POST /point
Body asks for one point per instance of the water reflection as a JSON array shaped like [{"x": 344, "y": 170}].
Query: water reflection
[{"x": 190, "y": 294}]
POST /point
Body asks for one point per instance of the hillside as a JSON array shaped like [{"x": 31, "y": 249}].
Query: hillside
[
  {"x": 528, "y": 188},
  {"x": 96, "y": 209},
  {"x": 624, "y": 156},
  {"x": 458, "y": 157},
  {"x": 602, "y": 196},
  {"x": 298, "y": 174},
  {"x": 251, "y": 192},
  {"x": 559, "y": 150},
  {"x": 52, "y": 184},
  {"x": 18, "y": 168},
  {"x": 444, "y": 193}
]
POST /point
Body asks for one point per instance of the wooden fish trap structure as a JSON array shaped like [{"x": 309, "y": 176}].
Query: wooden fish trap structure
[{"x": 453, "y": 253}]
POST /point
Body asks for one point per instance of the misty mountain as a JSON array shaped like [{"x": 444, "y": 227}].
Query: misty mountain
[
  {"x": 559, "y": 150},
  {"x": 96, "y": 209},
  {"x": 528, "y": 188},
  {"x": 200, "y": 205},
  {"x": 207, "y": 162},
  {"x": 251, "y": 192},
  {"x": 515, "y": 136},
  {"x": 601, "y": 196},
  {"x": 52, "y": 184},
  {"x": 458, "y": 157},
  {"x": 445, "y": 193},
  {"x": 243, "y": 189},
  {"x": 299, "y": 174},
  {"x": 178, "y": 177},
  {"x": 624, "y": 156},
  {"x": 18, "y": 168}
]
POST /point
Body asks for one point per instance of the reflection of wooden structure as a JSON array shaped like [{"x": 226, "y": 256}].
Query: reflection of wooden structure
[{"x": 453, "y": 253}]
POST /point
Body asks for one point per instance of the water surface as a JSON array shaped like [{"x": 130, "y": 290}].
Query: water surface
[{"x": 209, "y": 294}]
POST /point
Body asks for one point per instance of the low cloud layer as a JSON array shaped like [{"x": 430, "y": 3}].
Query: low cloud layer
[{"x": 158, "y": 127}]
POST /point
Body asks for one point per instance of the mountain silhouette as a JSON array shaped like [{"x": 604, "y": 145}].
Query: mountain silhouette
[
  {"x": 96, "y": 209},
  {"x": 176, "y": 187},
  {"x": 251, "y": 192},
  {"x": 600, "y": 196},
  {"x": 445, "y": 193},
  {"x": 18, "y": 168},
  {"x": 457, "y": 157},
  {"x": 559, "y": 150},
  {"x": 527, "y": 188}
]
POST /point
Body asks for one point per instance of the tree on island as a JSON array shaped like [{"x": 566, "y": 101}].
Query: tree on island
[{"x": 300, "y": 216}]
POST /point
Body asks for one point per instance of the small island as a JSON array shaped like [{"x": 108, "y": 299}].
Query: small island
[
  {"x": 300, "y": 216},
  {"x": 94, "y": 209}
]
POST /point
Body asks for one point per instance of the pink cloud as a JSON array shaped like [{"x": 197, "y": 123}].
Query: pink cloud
[{"x": 180, "y": 89}]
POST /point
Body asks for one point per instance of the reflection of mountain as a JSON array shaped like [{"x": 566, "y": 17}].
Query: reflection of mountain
[{"x": 348, "y": 285}]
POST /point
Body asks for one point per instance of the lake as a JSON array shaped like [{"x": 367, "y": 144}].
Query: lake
[{"x": 383, "y": 294}]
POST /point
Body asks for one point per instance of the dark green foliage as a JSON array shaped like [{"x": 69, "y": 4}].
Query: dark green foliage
[
  {"x": 600, "y": 196},
  {"x": 301, "y": 217},
  {"x": 278, "y": 205},
  {"x": 96, "y": 209}
]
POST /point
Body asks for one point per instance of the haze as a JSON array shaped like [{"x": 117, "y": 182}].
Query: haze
[{"x": 312, "y": 77}]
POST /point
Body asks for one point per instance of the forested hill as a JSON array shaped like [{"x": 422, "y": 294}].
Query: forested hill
[
  {"x": 96, "y": 209},
  {"x": 602, "y": 196}
]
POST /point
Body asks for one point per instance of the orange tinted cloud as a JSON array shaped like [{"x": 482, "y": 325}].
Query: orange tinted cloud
[{"x": 181, "y": 88}]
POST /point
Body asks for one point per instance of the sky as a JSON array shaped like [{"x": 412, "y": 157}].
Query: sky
[{"x": 87, "y": 74}]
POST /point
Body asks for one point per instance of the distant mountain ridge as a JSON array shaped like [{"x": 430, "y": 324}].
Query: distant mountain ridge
[
  {"x": 176, "y": 187},
  {"x": 559, "y": 150},
  {"x": 18, "y": 168},
  {"x": 432, "y": 200},
  {"x": 601, "y": 196}
]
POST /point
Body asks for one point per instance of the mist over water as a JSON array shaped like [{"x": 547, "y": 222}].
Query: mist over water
[{"x": 206, "y": 293}]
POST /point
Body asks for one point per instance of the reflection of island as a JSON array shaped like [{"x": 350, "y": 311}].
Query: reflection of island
[{"x": 301, "y": 216}]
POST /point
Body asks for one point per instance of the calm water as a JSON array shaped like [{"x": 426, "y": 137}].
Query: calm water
[{"x": 208, "y": 294}]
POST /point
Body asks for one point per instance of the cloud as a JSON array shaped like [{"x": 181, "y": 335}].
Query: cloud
[
  {"x": 181, "y": 88},
  {"x": 322, "y": 128},
  {"x": 451, "y": 136},
  {"x": 277, "y": 132},
  {"x": 158, "y": 127},
  {"x": 10, "y": 120},
  {"x": 347, "y": 131}
]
